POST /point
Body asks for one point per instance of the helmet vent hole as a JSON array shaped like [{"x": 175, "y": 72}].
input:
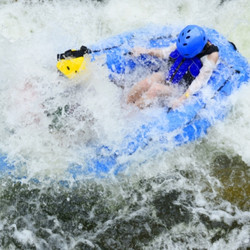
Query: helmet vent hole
[
  {"x": 187, "y": 37},
  {"x": 184, "y": 44},
  {"x": 188, "y": 31},
  {"x": 182, "y": 34}
]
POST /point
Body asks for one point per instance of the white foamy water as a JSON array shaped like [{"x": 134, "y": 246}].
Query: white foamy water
[{"x": 31, "y": 34}]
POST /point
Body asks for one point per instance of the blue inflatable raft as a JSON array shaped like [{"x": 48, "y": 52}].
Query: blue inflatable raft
[{"x": 169, "y": 128}]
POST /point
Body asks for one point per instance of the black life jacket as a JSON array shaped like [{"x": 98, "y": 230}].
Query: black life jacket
[{"x": 185, "y": 70}]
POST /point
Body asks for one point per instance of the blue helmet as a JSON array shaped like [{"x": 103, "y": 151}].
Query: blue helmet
[{"x": 191, "y": 41}]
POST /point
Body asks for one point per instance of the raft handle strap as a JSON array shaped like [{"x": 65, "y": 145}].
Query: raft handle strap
[
  {"x": 74, "y": 53},
  {"x": 85, "y": 50},
  {"x": 234, "y": 46}
]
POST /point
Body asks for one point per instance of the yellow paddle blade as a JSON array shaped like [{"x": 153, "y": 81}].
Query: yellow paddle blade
[{"x": 71, "y": 66}]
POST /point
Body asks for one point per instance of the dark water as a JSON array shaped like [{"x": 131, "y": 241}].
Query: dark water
[{"x": 136, "y": 213}]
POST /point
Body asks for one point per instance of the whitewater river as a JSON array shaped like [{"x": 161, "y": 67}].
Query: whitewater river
[{"x": 192, "y": 197}]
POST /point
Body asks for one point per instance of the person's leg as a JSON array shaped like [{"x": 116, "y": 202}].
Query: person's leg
[
  {"x": 143, "y": 86},
  {"x": 155, "y": 91}
]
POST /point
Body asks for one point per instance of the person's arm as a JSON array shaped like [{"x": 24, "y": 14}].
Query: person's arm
[
  {"x": 206, "y": 71},
  {"x": 158, "y": 52}
]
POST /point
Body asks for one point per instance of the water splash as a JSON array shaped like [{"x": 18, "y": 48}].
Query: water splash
[{"x": 192, "y": 197}]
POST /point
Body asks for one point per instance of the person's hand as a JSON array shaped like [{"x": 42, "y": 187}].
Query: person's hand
[
  {"x": 176, "y": 103},
  {"x": 137, "y": 51}
]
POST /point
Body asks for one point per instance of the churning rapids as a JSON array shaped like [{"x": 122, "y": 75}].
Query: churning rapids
[{"x": 194, "y": 197}]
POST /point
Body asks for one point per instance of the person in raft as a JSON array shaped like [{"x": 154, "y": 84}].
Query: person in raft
[{"x": 191, "y": 62}]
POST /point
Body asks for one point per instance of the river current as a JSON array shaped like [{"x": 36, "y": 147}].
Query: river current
[{"x": 193, "y": 197}]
